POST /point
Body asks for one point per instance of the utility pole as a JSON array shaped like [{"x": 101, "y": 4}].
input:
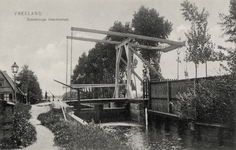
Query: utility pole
[{"x": 178, "y": 60}]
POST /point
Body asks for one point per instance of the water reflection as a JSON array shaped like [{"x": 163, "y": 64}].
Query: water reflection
[{"x": 158, "y": 137}]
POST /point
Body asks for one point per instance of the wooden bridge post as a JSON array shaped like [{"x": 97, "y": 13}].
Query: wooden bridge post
[
  {"x": 99, "y": 112},
  {"x": 169, "y": 108},
  {"x": 167, "y": 124},
  {"x": 118, "y": 56},
  {"x": 128, "y": 54},
  {"x": 220, "y": 136},
  {"x": 78, "y": 103},
  {"x": 150, "y": 95},
  {"x": 198, "y": 132}
]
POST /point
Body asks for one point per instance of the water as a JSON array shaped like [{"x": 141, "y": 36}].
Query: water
[{"x": 156, "y": 137}]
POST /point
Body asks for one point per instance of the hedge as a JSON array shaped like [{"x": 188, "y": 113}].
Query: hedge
[
  {"x": 71, "y": 135},
  {"x": 23, "y": 133}
]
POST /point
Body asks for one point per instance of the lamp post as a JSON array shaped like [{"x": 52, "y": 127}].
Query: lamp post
[{"x": 14, "y": 69}]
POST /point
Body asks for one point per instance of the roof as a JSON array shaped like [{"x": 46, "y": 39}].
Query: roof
[{"x": 9, "y": 80}]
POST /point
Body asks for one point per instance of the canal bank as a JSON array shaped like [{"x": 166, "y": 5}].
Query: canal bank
[
  {"x": 157, "y": 137},
  {"x": 162, "y": 132},
  {"x": 109, "y": 110}
]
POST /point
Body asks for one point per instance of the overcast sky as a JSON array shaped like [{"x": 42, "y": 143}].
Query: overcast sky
[{"x": 42, "y": 44}]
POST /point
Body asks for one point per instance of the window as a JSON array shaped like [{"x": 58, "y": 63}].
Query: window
[
  {"x": 1, "y": 82},
  {"x": 6, "y": 97}
]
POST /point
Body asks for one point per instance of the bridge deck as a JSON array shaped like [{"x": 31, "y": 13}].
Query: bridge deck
[{"x": 106, "y": 100}]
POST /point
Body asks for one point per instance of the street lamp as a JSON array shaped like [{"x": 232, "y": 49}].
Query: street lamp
[
  {"x": 14, "y": 69},
  {"x": 144, "y": 74}
]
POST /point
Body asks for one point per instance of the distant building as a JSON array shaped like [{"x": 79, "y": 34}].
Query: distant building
[{"x": 8, "y": 89}]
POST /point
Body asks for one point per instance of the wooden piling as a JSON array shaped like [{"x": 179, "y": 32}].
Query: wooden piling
[{"x": 98, "y": 114}]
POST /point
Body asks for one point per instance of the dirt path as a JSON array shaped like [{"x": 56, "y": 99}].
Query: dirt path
[{"x": 44, "y": 135}]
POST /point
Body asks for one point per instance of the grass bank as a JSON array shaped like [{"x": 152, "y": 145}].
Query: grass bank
[{"x": 71, "y": 135}]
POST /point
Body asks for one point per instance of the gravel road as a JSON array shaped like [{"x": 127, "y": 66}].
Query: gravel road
[{"x": 44, "y": 135}]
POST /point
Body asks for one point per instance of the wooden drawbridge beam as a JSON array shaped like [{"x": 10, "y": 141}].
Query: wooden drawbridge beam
[
  {"x": 76, "y": 86},
  {"x": 166, "y": 49},
  {"x": 140, "y": 79},
  {"x": 146, "y": 62},
  {"x": 129, "y": 35}
]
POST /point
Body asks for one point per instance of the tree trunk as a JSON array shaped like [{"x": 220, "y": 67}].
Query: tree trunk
[
  {"x": 178, "y": 69},
  {"x": 194, "y": 84},
  {"x": 206, "y": 68},
  {"x": 195, "y": 70}
]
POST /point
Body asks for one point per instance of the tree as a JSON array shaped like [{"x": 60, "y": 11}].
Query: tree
[
  {"x": 98, "y": 67},
  {"x": 215, "y": 100},
  {"x": 200, "y": 48},
  {"x": 79, "y": 72},
  {"x": 229, "y": 22},
  {"x": 148, "y": 22},
  {"x": 29, "y": 83}
]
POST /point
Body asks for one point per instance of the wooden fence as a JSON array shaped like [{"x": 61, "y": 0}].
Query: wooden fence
[
  {"x": 162, "y": 98},
  {"x": 164, "y": 93}
]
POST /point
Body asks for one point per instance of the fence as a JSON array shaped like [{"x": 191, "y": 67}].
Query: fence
[{"x": 163, "y": 94}]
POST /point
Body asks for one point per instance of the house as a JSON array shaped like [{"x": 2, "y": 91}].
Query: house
[{"x": 8, "y": 89}]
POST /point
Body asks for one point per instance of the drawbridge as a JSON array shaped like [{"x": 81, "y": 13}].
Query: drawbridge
[{"x": 129, "y": 47}]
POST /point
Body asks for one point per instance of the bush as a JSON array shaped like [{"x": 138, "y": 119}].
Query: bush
[
  {"x": 23, "y": 133},
  {"x": 72, "y": 135},
  {"x": 212, "y": 101}
]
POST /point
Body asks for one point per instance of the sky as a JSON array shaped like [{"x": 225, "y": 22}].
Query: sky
[{"x": 29, "y": 36}]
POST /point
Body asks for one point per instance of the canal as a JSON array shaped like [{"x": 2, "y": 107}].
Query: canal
[{"x": 157, "y": 137}]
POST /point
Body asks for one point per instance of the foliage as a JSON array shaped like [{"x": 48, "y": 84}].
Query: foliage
[
  {"x": 212, "y": 101},
  {"x": 98, "y": 67},
  {"x": 231, "y": 61},
  {"x": 228, "y": 85},
  {"x": 229, "y": 27},
  {"x": 189, "y": 101},
  {"x": 215, "y": 100},
  {"x": 72, "y": 135},
  {"x": 225, "y": 98},
  {"x": 24, "y": 109},
  {"x": 200, "y": 47},
  {"x": 73, "y": 95},
  {"x": 185, "y": 107},
  {"x": 197, "y": 103},
  {"x": 229, "y": 22},
  {"x": 148, "y": 22},
  {"x": 29, "y": 83},
  {"x": 24, "y": 133}
]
